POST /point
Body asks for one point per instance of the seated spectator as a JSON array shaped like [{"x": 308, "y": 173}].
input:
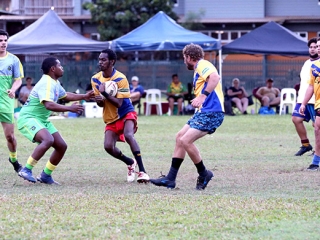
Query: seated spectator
[
  {"x": 25, "y": 91},
  {"x": 136, "y": 90},
  {"x": 269, "y": 95},
  {"x": 175, "y": 92},
  {"x": 238, "y": 95}
]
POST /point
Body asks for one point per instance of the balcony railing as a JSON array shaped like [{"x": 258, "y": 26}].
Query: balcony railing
[{"x": 39, "y": 7}]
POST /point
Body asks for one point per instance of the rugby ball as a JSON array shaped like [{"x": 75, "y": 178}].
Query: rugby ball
[{"x": 111, "y": 88}]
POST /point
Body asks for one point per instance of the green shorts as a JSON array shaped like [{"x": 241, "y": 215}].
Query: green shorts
[
  {"x": 29, "y": 127},
  {"x": 7, "y": 118}
]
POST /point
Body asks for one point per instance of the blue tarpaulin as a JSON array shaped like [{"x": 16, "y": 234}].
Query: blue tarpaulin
[
  {"x": 270, "y": 38},
  {"x": 162, "y": 33}
]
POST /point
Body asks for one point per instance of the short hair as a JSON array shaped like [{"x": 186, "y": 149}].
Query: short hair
[
  {"x": 194, "y": 51},
  {"x": 234, "y": 80},
  {"x": 28, "y": 78},
  {"x": 313, "y": 40},
  {"x": 111, "y": 54},
  {"x": 4, "y": 33},
  {"x": 174, "y": 75},
  {"x": 48, "y": 63}
]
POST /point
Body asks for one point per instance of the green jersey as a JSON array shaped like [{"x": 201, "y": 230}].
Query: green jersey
[
  {"x": 47, "y": 89},
  {"x": 10, "y": 69}
]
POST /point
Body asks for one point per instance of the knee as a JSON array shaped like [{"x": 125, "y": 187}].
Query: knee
[
  {"x": 10, "y": 137},
  {"x": 129, "y": 137},
  {"x": 47, "y": 143}
]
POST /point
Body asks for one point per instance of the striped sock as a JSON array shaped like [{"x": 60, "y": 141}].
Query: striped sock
[
  {"x": 13, "y": 156},
  {"x": 31, "y": 163},
  {"x": 49, "y": 168}
]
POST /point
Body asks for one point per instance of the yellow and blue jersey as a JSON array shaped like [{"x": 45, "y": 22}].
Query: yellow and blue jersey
[
  {"x": 214, "y": 102},
  {"x": 110, "y": 112},
  {"x": 315, "y": 81}
]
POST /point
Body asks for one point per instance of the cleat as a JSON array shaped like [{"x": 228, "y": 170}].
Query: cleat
[
  {"x": 303, "y": 150},
  {"x": 16, "y": 165},
  {"x": 313, "y": 168},
  {"x": 143, "y": 177},
  {"x": 26, "y": 174},
  {"x": 202, "y": 182},
  {"x": 131, "y": 171},
  {"x": 163, "y": 181},
  {"x": 47, "y": 179}
]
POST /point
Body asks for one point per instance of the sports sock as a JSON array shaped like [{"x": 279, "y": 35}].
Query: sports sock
[
  {"x": 201, "y": 169},
  {"x": 175, "y": 165},
  {"x": 316, "y": 160},
  {"x": 13, "y": 156},
  {"x": 137, "y": 156},
  {"x": 49, "y": 168},
  {"x": 125, "y": 159},
  {"x": 31, "y": 163},
  {"x": 305, "y": 142}
]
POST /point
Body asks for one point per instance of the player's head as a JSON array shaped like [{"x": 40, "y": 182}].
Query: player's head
[
  {"x": 51, "y": 66},
  {"x": 194, "y": 51},
  {"x": 4, "y": 33},
  {"x": 312, "y": 44},
  {"x": 112, "y": 56},
  {"x": 3, "y": 41}
]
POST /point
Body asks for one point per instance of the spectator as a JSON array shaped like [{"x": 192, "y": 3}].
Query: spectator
[
  {"x": 238, "y": 95},
  {"x": 136, "y": 90},
  {"x": 25, "y": 91},
  {"x": 269, "y": 95},
  {"x": 175, "y": 92}
]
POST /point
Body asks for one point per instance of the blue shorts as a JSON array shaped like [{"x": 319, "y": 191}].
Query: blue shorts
[
  {"x": 206, "y": 121},
  {"x": 309, "y": 112}
]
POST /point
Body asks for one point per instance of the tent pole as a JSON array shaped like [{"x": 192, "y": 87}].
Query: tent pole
[{"x": 220, "y": 64}]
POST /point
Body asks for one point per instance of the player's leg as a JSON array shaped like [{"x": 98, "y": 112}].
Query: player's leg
[
  {"x": 60, "y": 148},
  {"x": 316, "y": 157},
  {"x": 35, "y": 131},
  {"x": 179, "y": 154},
  {"x": 8, "y": 129},
  {"x": 301, "y": 130},
  {"x": 128, "y": 131}
]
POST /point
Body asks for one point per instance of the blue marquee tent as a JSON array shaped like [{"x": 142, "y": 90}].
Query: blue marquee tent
[
  {"x": 49, "y": 34},
  {"x": 270, "y": 38},
  {"x": 162, "y": 33}
]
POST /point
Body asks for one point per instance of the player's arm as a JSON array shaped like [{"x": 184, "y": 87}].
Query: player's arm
[
  {"x": 306, "y": 99},
  {"x": 212, "y": 80},
  {"x": 117, "y": 102},
  {"x": 76, "y": 97},
  {"x": 16, "y": 84},
  {"x": 55, "y": 107}
]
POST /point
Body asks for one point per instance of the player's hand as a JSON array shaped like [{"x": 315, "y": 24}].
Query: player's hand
[
  {"x": 77, "y": 108},
  {"x": 197, "y": 102},
  {"x": 11, "y": 93},
  {"x": 89, "y": 95},
  {"x": 302, "y": 109},
  {"x": 101, "y": 87}
]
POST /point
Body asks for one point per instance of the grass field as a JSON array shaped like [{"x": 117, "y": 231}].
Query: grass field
[{"x": 260, "y": 189}]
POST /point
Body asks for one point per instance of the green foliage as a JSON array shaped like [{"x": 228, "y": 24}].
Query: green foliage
[
  {"x": 116, "y": 18},
  {"x": 192, "y": 20}
]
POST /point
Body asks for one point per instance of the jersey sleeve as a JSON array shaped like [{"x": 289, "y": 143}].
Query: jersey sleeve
[
  {"x": 123, "y": 88},
  {"x": 206, "y": 68},
  {"x": 17, "y": 69}
]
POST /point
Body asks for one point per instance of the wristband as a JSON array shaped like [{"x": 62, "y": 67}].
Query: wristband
[
  {"x": 206, "y": 93},
  {"x": 106, "y": 95}
]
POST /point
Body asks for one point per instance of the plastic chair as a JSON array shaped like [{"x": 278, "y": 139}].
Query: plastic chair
[
  {"x": 153, "y": 97},
  {"x": 175, "y": 104},
  {"x": 288, "y": 97}
]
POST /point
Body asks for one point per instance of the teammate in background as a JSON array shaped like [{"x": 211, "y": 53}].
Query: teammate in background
[
  {"x": 314, "y": 88},
  {"x": 118, "y": 115},
  {"x": 309, "y": 113},
  {"x": 33, "y": 120},
  {"x": 11, "y": 74},
  {"x": 208, "y": 117}
]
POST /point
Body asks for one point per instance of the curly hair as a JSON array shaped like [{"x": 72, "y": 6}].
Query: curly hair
[
  {"x": 111, "y": 55},
  {"x": 194, "y": 51},
  {"x": 48, "y": 63}
]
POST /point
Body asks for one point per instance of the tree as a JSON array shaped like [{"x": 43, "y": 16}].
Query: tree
[
  {"x": 192, "y": 20},
  {"x": 115, "y": 18}
]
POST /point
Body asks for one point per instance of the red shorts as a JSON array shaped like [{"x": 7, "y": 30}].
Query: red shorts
[{"x": 118, "y": 126}]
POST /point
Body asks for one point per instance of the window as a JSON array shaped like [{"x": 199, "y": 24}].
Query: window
[
  {"x": 175, "y": 3},
  {"x": 225, "y": 36}
]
